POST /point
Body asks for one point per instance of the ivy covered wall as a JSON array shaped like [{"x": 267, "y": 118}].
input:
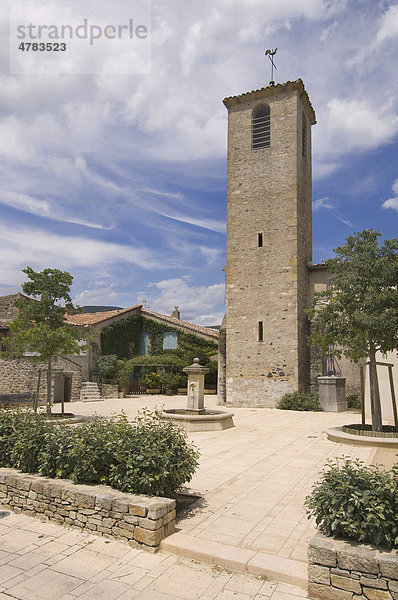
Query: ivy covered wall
[{"x": 123, "y": 339}]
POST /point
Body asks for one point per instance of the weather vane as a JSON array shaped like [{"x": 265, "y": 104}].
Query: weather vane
[{"x": 271, "y": 54}]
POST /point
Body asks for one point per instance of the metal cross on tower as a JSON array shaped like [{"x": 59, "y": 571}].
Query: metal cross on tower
[{"x": 271, "y": 54}]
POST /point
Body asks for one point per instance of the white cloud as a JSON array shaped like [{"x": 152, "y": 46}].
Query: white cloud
[
  {"x": 322, "y": 203},
  {"x": 359, "y": 125},
  {"x": 392, "y": 202},
  {"x": 388, "y": 25},
  {"x": 196, "y": 303},
  {"x": 101, "y": 295},
  {"x": 40, "y": 249}
]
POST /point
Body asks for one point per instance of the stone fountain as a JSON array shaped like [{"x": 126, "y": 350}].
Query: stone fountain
[{"x": 196, "y": 417}]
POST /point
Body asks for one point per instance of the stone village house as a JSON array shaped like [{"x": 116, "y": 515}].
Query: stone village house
[{"x": 127, "y": 332}]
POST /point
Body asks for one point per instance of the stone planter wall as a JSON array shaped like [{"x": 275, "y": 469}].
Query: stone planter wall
[
  {"x": 139, "y": 520},
  {"x": 340, "y": 570},
  {"x": 110, "y": 390}
]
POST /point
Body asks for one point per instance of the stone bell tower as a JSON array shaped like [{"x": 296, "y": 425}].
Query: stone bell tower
[{"x": 269, "y": 243}]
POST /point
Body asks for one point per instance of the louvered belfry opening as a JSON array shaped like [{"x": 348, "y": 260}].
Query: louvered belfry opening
[{"x": 261, "y": 127}]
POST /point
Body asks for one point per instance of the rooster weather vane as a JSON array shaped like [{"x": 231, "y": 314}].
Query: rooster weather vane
[{"x": 271, "y": 54}]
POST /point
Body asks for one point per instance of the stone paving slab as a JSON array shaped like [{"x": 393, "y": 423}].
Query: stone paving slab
[{"x": 59, "y": 564}]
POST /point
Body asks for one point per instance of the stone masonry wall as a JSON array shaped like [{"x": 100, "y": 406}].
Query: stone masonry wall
[
  {"x": 19, "y": 375},
  {"x": 141, "y": 521},
  {"x": 340, "y": 570},
  {"x": 269, "y": 193}
]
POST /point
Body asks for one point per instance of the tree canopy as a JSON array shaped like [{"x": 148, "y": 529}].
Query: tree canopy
[
  {"x": 40, "y": 327},
  {"x": 357, "y": 315}
]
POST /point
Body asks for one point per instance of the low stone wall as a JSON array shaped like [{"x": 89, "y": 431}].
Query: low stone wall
[
  {"x": 142, "y": 521},
  {"x": 340, "y": 570},
  {"x": 110, "y": 390}
]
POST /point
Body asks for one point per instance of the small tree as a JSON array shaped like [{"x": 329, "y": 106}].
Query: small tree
[
  {"x": 358, "y": 314},
  {"x": 40, "y": 327}
]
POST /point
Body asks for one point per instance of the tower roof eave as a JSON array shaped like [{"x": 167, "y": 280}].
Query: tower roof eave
[{"x": 272, "y": 90}]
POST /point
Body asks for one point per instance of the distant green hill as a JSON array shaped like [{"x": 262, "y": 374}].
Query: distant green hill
[{"x": 94, "y": 309}]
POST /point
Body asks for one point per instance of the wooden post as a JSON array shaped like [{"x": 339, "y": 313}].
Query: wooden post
[
  {"x": 363, "y": 378},
  {"x": 393, "y": 399}
]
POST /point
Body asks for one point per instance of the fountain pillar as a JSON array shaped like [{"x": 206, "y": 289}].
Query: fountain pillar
[{"x": 196, "y": 386}]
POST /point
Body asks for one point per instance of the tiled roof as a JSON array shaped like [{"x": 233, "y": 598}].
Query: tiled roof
[
  {"x": 182, "y": 324},
  {"x": 271, "y": 90},
  {"x": 87, "y": 319}
]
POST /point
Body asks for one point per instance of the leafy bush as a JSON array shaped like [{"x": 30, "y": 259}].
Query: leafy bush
[
  {"x": 108, "y": 365},
  {"x": 353, "y": 401},
  {"x": 300, "y": 401},
  {"x": 148, "y": 456},
  {"x": 152, "y": 380},
  {"x": 357, "y": 503}
]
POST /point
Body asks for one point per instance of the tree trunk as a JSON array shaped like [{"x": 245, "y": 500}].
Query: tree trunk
[
  {"x": 49, "y": 387},
  {"x": 36, "y": 402},
  {"x": 374, "y": 390}
]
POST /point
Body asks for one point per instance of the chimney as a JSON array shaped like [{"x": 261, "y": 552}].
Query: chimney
[{"x": 176, "y": 313}]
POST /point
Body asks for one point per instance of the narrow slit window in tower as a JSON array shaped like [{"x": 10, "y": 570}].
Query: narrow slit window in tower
[
  {"x": 261, "y": 127},
  {"x": 260, "y": 240},
  {"x": 260, "y": 331},
  {"x": 304, "y": 136}
]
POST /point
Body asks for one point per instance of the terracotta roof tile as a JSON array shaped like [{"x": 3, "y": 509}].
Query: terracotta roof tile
[
  {"x": 87, "y": 319},
  {"x": 183, "y": 324},
  {"x": 273, "y": 89}
]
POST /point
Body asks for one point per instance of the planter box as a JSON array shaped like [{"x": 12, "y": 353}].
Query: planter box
[
  {"x": 153, "y": 390},
  {"x": 141, "y": 521},
  {"x": 343, "y": 570},
  {"x": 182, "y": 391}
]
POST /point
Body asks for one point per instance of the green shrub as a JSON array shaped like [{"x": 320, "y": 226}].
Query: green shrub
[
  {"x": 355, "y": 502},
  {"x": 148, "y": 456},
  {"x": 108, "y": 365},
  {"x": 300, "y": 401},
  {"x": 353, "y": 401},
  {"x": 152, "y": 380}
]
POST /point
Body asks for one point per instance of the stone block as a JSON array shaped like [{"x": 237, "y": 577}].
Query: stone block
[
  {"x": 317, "y": 591},
  {"x": 126, "y": 526},
  {"x": 38, "y": 485},
  {"x": 148, "y": 537},
  {"x": 159, "y": 508},
  {"x": 169, "y": 528},
  {"x": 85, "y": 499},
  {"x": 322, "y": 552},
  {"x": 138, "y": 508},
  {"x": 373, "y": 594},
  {"x": 319, "y": 574},
  {"x": 169, "y": 517},
  {"x": 123, "y": 533},
  {"x": 150, "y": 524},
  {"x": 389, "y": 565},
  {"x": 24, "y": 483},
  {"x": 104, "y": 501},
  {"x": 120, "y": 505},
  {"x": 380, "y": 584},
  {"x": 133, "y": 520},
  {"x": 393, "y": 586},
  {"x": 53, "y": 488},
  {"x": 357, "y": 559},
  {"x": 345, "y": 573},
  {"x": 345, "y": 583}
]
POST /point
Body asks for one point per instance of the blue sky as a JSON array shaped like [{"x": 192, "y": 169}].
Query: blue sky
[{"x": 121, "y": 180}]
